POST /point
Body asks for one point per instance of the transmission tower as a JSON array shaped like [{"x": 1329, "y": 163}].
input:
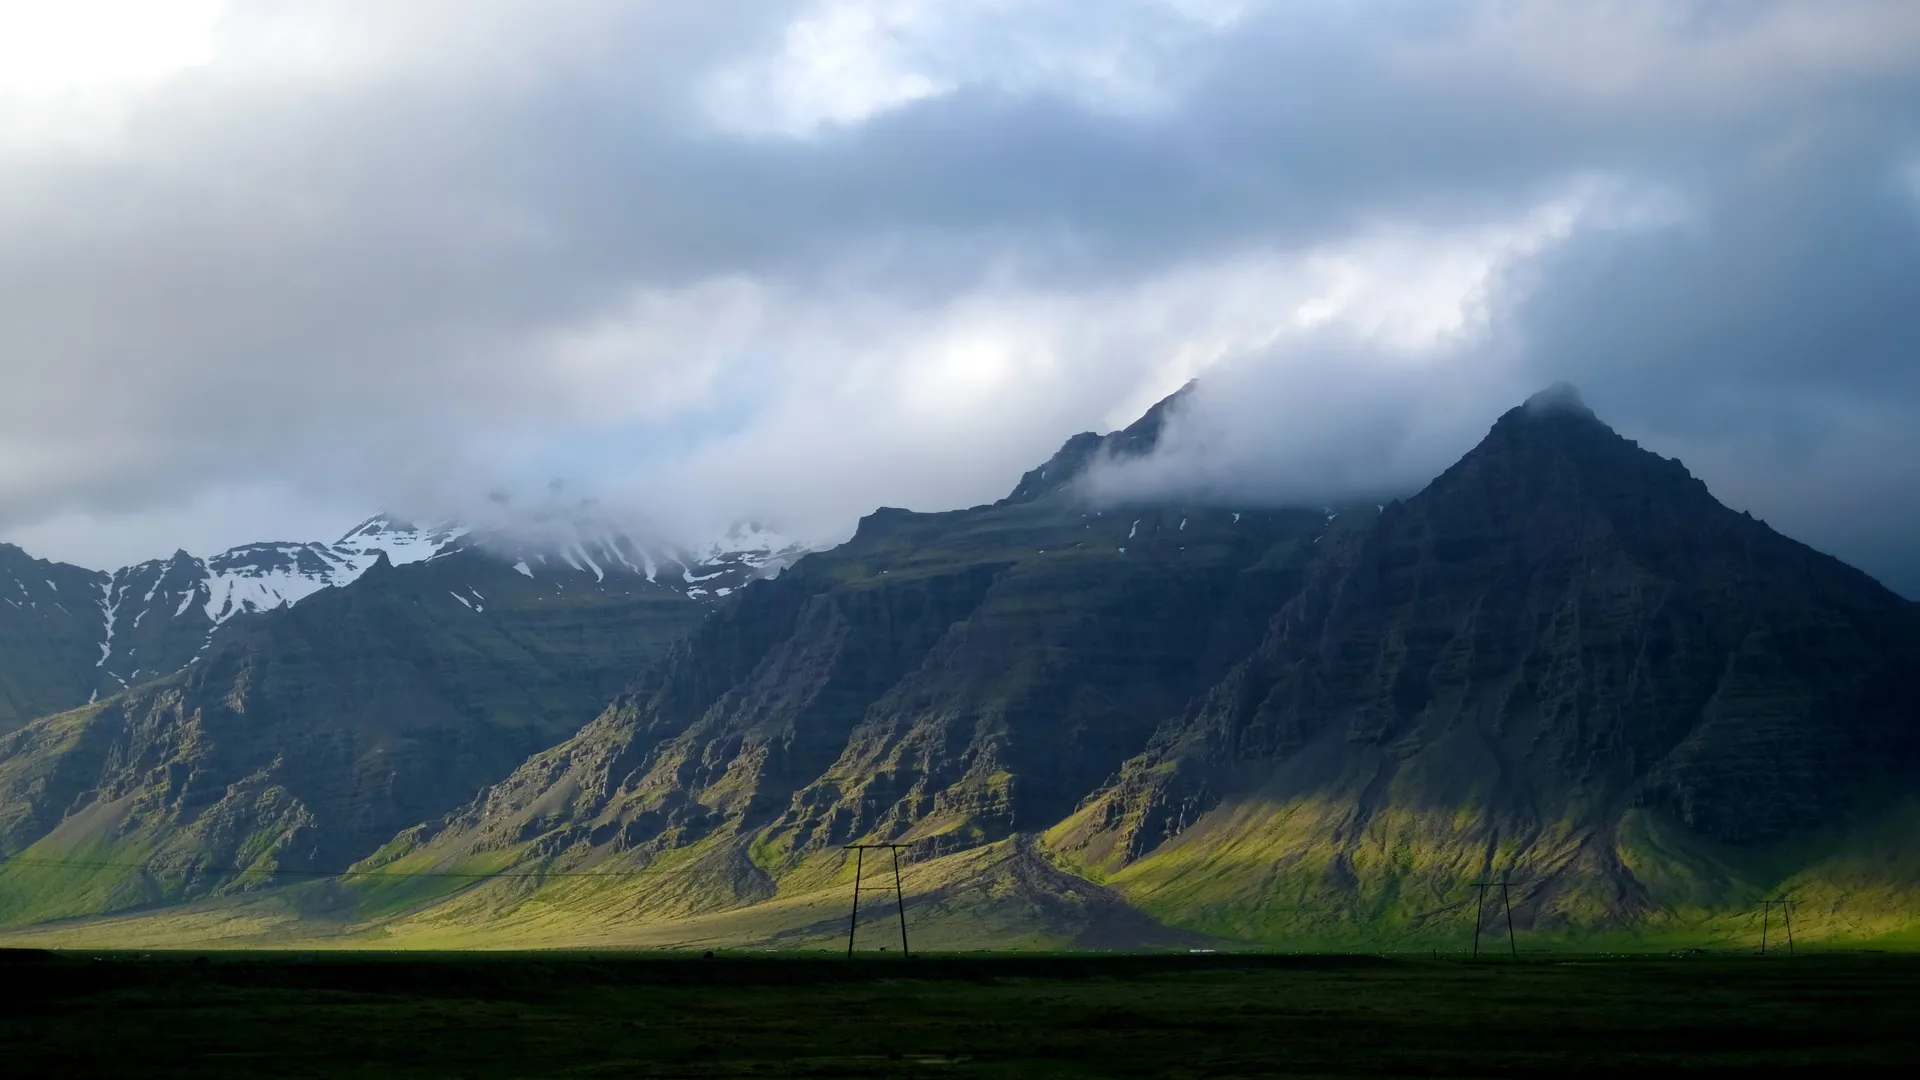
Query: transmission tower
[
  {"x": 1479, "y": 906},
  {"x": 1766, "y": 918},
  {"x": 899, "y": 897}
]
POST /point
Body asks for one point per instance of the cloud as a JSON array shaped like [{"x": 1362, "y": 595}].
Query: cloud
[
  {"x": 1384, "y": 358},
  {"x": 843, "y": 62},
  {"x": 1720, "y": 60},
  {"x": 64, "y": 80},
  {"x": 796, "y": 260}
]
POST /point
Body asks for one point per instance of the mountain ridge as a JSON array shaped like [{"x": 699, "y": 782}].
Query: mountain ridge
[
  {"x": 1562, "y": 661},
  {"x": 157, "y": 617},
  {"x": 1545, "y": 647}
]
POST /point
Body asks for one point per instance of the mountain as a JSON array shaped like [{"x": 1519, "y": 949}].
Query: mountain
[
  {"x": 305, "y": 736},
  {"x": 109, "y": 631},
  {"x": 957, "y": 681},
  {"x": 297, "y": 704},
  {"x": 1562, "y": 664}
]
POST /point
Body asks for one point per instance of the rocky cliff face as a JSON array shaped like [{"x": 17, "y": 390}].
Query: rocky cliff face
[
  {"x": 1233, "y": 716},
  {"x": 950, "y": 679}
]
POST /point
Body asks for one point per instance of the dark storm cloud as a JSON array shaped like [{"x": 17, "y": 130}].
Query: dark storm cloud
[
  {"x": 804, "y": 259},
  {"x": 1774, "y": 342}
]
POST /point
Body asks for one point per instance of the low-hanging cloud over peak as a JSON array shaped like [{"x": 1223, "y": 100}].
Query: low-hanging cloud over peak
[{"x": 270, "y": 265}]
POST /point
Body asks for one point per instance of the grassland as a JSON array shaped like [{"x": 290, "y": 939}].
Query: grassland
[
  {"x": 1012, "y": 895},
  {"x": 585, "y": 1014}
]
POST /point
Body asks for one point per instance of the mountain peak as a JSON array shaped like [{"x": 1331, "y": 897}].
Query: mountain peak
[
  {"x": 1558, "y": 410},
  {"x": 1135, "y": 440},
  {"x": 1560, "y": 399},
  {"x": 1143, "y": 435},
  {"x": 1551, "y": 459}
]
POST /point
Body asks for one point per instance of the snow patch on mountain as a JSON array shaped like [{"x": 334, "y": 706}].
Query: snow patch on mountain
[
  {"x": 245, "y": 579},
  {"x": 183, "y": 594},
  {"x": 261, "y": 577},
  {"x": 581, "y": 542},
  {"x": 404, "y": 542},
  {"x": 109, "y": 606},
  {"x": 752, "y": 545}
]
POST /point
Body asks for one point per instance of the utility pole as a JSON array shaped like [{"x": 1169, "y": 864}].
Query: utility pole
[
  {"x": 899, "y": 895},
  {"x": 859, "y": 854},
  {"x": 1766, "y": 917},
  {"x": 1512, "y": 942},
  {"x": 1479, "y": 907},
  {"x": 900, "y": 904},
  {"x": 1479, "y": 903}
]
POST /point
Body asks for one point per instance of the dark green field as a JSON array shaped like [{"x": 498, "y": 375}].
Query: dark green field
[{"x": 80, "y": 1014}]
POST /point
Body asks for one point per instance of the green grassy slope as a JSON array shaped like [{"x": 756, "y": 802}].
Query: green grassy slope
[
  {"x": 1003, "y": 895},
  {"x": 1298, "y": 873}
]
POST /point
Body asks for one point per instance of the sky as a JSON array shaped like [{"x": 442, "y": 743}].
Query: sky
[{"x": 267, "y": 267}]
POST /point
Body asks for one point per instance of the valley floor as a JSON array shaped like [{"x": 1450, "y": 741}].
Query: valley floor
[{"x": 583, "y": 1014}]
